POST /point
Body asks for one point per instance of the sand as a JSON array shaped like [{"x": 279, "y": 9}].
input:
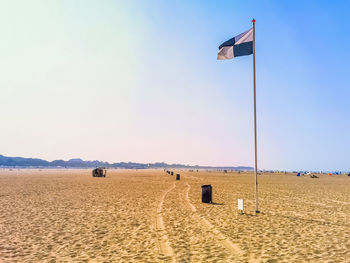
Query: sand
[{"x": 148, "y": 216}]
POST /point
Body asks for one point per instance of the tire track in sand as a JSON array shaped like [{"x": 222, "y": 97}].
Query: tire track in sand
[
  {"x": 192, "y": 177},
  {"x": 163, "y": 240},
  {"x": 225, "y": 241}
]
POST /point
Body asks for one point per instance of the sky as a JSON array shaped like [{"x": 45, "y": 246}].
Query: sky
[{"x": 139, "y": 81}]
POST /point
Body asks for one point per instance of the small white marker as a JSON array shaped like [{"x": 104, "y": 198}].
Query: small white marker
[{"x": 240, "y": 205}]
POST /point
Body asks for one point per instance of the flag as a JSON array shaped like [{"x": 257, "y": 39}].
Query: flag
[{"x": 241, "y": 45}]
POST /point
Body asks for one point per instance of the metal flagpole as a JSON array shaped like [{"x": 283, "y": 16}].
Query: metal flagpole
[{"x": 255, "y": 139}]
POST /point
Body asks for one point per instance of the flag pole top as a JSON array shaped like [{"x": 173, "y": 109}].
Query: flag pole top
[{"x": 253, "y": 20}]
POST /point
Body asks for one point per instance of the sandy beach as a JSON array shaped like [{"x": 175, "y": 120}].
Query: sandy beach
[{"x": 148, "y": 216}]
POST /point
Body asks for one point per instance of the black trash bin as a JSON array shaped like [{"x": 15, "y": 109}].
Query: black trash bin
[
  {"x": 207, "y": 193},
  {"x": 177, "y": 176},
  {"x": 172, "y": 173}
]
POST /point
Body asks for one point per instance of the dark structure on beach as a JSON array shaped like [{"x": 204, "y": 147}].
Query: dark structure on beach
[
  {"x": 207, "y": 193},
  {"x": 99, "y": 172}
]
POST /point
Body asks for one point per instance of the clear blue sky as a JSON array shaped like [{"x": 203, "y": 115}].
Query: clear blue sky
[{"x": 139, "y": 81}]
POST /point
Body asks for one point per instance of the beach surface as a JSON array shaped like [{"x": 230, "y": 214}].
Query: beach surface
[{"x": 66, "y": 215}]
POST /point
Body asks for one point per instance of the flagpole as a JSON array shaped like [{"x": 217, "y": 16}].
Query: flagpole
[{"x": 255, "y": 133}]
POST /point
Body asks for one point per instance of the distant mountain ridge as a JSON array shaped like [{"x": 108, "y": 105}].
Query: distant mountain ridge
[{"x": 79, "y": 163}]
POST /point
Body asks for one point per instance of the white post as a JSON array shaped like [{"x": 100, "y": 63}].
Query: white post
[{"x": 255, "y": 133}]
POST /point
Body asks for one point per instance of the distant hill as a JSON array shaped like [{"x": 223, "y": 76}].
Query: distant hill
[{"x": 79, "y": 163}]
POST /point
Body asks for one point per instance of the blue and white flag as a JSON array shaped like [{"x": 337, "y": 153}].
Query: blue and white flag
[{"x": 241, "y": 45}]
